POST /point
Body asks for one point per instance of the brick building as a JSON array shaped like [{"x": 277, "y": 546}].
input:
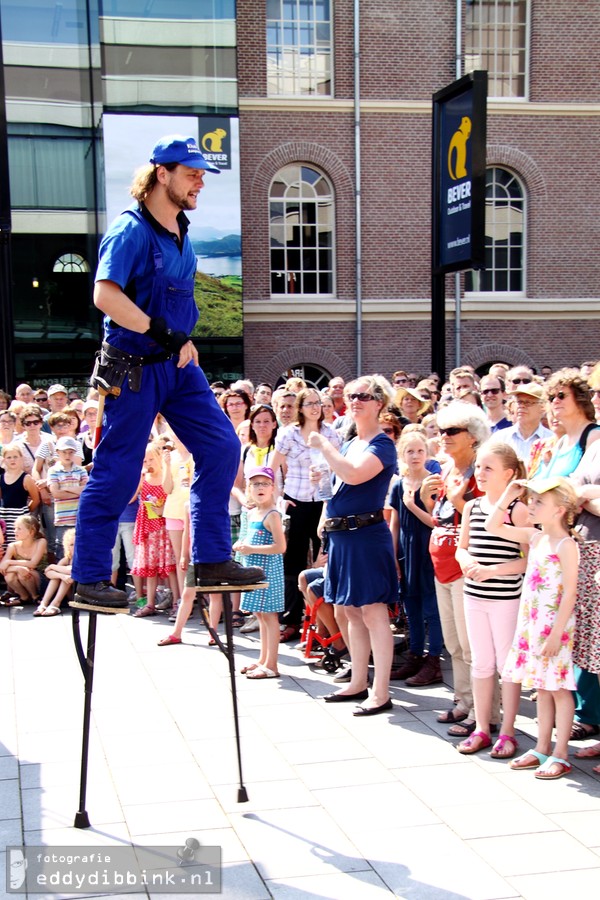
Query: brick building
[{"x": 538, "y": 300}]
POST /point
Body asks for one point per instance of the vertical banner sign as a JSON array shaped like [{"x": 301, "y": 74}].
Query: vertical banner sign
[{"x": 459, "y": 136}]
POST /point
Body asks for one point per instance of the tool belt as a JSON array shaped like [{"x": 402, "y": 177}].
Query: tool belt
[
  {"x": 113, "y": 366},
  {"x": 352, "y": 523}
]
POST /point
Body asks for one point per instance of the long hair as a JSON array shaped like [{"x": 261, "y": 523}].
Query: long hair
[
  {"x": 300, "y": 398},
  {"x": 507, "y": 456},
  {"x": 145, "y": 180},
  {"x": 264, "y": 407}
]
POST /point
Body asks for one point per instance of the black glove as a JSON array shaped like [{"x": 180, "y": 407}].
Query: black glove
[{"x": 172, "y": 341}]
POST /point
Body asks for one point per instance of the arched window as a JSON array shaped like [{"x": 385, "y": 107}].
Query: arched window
[
  {"x": 71, "y": 262},
  {"x": 504, "y": 235},
  {"x": 301, "y": 212}
]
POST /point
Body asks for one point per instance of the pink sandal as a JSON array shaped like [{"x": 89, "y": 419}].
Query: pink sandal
[
  {"x": 503, "y": 740},
  {"x": 468, "y": 745}
]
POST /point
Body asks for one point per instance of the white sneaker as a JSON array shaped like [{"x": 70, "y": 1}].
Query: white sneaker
[{"x": 250, "y": 625}]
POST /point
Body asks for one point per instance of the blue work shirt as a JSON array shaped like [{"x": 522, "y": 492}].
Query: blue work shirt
[{"x": 127, "y": 257}]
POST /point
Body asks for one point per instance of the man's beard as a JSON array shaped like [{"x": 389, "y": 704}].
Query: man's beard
[{"x": 180, "y": 200}]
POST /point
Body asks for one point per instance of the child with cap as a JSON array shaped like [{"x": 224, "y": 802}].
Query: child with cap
[
  {"x": 264, "y": 545},
  {"x": 66, "y": 480}
]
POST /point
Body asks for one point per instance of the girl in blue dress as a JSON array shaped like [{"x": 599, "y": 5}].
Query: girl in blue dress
[
  {"x": 361, "y": 574},
  {"x": 265, "y": 541}
]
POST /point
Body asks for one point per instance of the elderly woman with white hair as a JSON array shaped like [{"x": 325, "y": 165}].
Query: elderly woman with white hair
[
  {"x": 463, "y": 429},
  {"x": 361, "y": 574}
]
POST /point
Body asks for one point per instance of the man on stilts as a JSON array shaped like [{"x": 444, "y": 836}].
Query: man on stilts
[{"x": 145, "y": 288}]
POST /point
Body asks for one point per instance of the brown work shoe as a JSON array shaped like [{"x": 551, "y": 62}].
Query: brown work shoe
[
  {"x": 429, "y": 673},
  {"x": 410, "y": 666}
]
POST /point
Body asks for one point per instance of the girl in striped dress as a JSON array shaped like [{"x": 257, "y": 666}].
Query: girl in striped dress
[{"x": 493, "y": 568}]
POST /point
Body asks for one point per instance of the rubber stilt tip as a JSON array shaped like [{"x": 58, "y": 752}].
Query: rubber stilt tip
[
  {"x": 82, "y": 820},
  {"x": 242, "y": 795}
]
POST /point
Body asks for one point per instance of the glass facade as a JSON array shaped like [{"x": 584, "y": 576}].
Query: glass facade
[{"x": 66, "y": 65}]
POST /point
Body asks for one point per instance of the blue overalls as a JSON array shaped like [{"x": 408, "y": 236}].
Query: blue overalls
[{"x": 189, "y": 406}]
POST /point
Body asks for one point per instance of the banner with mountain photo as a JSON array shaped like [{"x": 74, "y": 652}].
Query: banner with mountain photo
[{"x": 215, "y": 226}]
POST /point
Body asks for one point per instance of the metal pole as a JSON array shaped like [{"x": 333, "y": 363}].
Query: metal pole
[
  {"x": 6, "y": 305},
  {"x": 457, "y": 297},
  {"x": 357, "y": 179}
]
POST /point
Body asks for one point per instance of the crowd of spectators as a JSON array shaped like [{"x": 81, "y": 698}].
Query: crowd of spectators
[{"x": 308, "y": 437}]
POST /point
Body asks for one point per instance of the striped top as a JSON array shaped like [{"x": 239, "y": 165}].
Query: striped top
[{"x": 489, "y": 549}]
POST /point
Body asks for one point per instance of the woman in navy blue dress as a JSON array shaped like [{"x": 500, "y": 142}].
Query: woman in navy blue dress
[{"x": 361, "y": 572}]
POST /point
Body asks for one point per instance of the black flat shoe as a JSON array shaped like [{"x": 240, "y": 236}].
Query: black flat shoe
[
  {"x": 373, "y": 710},
  {"x": 344, "y": 698}
]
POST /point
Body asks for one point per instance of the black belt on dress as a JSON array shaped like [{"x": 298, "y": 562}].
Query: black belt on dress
[{"x": 352, "y": 523}]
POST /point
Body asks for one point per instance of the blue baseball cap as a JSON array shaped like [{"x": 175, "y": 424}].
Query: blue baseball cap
[{"x": 173, "y": 148}]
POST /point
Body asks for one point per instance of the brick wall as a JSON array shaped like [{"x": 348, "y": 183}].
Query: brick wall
[{"x": 407, "y": 52}]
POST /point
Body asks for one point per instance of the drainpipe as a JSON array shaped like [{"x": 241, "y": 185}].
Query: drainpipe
[
  {"x": 457, "y": 297},
  {"x": 357, "y": 189}
]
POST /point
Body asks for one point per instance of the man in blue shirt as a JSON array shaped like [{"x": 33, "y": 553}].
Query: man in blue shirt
[{"x": 145, "y": 288}]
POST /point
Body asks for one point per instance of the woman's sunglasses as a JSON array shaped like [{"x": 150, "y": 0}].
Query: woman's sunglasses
[
  {"x": 452, "y": 432},
  {"x": 363, "y": 397}
]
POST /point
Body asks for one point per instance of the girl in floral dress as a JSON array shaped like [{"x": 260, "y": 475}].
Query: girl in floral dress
[
  {"x": 541, "y": 654},
  {"x": 153, "y": 554}
]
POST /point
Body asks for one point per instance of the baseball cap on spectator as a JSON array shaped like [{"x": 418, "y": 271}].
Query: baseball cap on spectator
[
  {"x": 532, "y": 390},
  {"x": 67, "y": 443},
  {"x": 56, "y": 389},
  {"x": 173, "y": 148},
  {"x": 90, "y": 404},
  {"x": 261, "y": 470}
]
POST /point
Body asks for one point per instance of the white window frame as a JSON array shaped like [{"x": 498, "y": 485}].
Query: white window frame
[
  {"x": 285, "y": 75},
  {"x": 295, "y": 194},
  {"x": 475, "y": 60},
  {"x": 477, "y": 291}
]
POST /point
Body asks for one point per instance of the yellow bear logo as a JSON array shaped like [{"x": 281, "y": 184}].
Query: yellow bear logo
[
  {"x": 212, "y": 141},
  {"x": 459, "y": 144}
]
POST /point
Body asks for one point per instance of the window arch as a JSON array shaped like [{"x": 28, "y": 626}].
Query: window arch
[
  {"x": 301, "y": 226},
  {"x": 504, "y": 235},
  {"x": 71, "y": 262}
]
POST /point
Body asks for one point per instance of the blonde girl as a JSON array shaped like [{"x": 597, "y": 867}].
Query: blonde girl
[
  {"x": 59, "y": 579},
  {"x": 541, "y": 654},
  {"x": 411, "y": 527},
  {"x": 493, "y": 567},
  {"x": 153, "y": 554},
  {"x": 22, "y": 562},
  {"x": 264, "y": 545},
  {"x": 20, "y": 494}
]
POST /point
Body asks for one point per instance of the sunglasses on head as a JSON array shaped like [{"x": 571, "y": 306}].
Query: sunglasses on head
[
  {"x": 388, "y": 430},
  {"x": 362, "y": 396},
  {"x": 451, "y": 432},
  {"x": 521, "y": 380}
]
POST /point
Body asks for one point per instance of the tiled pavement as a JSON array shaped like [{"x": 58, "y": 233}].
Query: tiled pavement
[{"x": 339, "y": 807}]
